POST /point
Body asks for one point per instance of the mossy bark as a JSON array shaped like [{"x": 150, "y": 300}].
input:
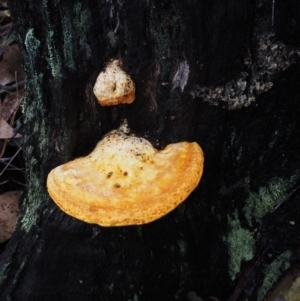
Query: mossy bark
[{"x": 222, "y": 74}]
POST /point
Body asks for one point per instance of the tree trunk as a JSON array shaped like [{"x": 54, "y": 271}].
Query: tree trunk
[{"x": 222, "y": 73}]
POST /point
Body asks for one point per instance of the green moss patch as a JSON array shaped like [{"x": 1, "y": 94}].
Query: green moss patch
[
  {"x": 240, "y": 244},
  {"x": 265, "y": 200},
  {"x": 272, "y": 273}
]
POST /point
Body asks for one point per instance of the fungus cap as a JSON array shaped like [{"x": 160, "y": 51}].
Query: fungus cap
[
  {"x": 126, "y": 181},
  {"x": 114, "y": 86}
]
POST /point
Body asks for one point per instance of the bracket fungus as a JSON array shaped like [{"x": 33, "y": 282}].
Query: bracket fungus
[
  {"x": 126, "y": 181},
  {"x": 114, "y": 86}
]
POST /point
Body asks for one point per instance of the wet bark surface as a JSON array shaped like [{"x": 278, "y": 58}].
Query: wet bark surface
[{"x": 223, "y": 74}]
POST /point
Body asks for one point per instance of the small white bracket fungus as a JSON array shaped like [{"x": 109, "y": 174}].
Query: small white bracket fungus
[
  {"x": 126, "y": 181},
  {"x": 114, "y": 86},
  {"x": 9, "y": 212}
]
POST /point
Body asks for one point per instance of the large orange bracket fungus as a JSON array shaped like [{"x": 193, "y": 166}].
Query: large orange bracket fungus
[
  {"x": 126, "y": 181},
  {"x": 114, "y": 86}
]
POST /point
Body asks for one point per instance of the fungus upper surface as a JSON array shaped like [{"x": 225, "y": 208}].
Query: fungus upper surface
[
  {"x": 126, "y": 181},
  {"x": 114, "y": 86}
]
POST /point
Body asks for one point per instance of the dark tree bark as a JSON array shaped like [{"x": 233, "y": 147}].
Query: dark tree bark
[{"x": 222, "y": 73}]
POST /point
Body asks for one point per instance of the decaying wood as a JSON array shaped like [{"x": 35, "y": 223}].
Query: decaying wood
[{"x": 216, "y": 73}]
